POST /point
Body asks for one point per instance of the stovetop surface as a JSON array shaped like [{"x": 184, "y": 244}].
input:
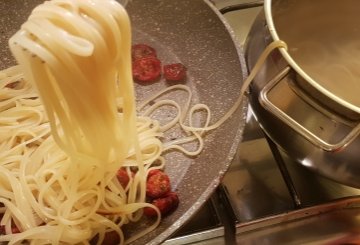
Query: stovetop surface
[{"x": 253, "y": 204}]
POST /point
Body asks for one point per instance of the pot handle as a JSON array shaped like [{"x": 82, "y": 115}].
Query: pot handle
[{"x": 295, "y": 125}]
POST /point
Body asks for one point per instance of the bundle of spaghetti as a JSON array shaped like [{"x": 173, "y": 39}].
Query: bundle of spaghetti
[{"x": 68, "y": 123}]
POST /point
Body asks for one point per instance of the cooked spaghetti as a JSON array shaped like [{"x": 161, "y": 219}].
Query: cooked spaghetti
[{"x": 68, "y": 123}]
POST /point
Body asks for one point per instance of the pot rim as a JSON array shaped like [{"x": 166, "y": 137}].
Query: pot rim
[{"x": 296, "y": 67}]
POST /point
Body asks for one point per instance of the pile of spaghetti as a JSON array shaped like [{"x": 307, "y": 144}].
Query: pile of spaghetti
[{"x": 68, "y": 123}]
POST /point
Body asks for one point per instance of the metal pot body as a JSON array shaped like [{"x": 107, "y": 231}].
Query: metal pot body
[{"x": 310, "y": 127}]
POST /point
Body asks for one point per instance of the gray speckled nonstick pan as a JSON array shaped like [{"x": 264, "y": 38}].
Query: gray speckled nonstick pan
[{"x": 194, "y": 33}]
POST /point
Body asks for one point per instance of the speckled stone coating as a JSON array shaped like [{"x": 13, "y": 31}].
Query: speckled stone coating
[
  {"x": 12, "y": 15},
  {"x": 194, "y": 33}
]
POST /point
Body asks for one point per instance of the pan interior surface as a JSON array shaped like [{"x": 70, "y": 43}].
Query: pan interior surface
[{"x": 190, "y": 32}]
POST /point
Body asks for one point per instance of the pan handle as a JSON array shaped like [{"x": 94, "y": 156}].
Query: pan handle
[
  {"x": 265, "y": 99},
  {"x": 241, "y": 6}
]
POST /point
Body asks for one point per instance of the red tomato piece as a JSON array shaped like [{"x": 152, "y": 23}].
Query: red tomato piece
[
  {"x": 14, "y": 230},
  {"x": 175, "y": 72},
  {"x": 111, "y": 238},
  {"x": 13, "y": 85},
  {"x": 157, "y": 185},
  {"x": 123, "y": 177},
  {"x": 146, "y": 69},
  {"x": 153, "y": 172},
  {"x": 139, "y": 51},
  {"x": 165, "y": 204}
]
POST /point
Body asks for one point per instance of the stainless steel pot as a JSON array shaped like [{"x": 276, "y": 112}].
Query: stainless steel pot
[{"x": 305, "y": 97}]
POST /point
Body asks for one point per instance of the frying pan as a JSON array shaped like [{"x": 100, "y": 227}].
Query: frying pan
[{"x": 194, "y": 33}]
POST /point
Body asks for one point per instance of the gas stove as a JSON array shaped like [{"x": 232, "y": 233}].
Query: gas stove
[{"x": 266, "y": 197}]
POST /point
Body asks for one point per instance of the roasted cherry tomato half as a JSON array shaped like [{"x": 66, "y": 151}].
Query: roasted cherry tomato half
[
  {"x": 153, "y": 172},
  {"x": 123, "y": 177},
  {"x": 139, "y": 51},
  {"x": 146, "y": 69},
  {"x": 175, "y": 72},
  {"x": 165, "y": 204},
  {"x": 157, "y": 184},
  {"x": 14, "y": 230},
  {"x": 110, "y": 238}
]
